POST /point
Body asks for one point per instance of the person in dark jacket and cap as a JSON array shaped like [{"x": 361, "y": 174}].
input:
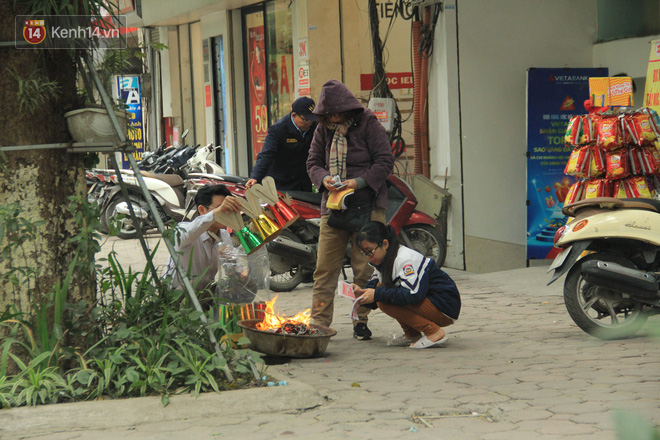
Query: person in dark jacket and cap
[
  {"x": 285, "y": 149},
  {"x": 350, "y": 143}
]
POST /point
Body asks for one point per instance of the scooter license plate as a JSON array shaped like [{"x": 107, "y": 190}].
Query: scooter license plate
[{"x": 559, "y": 259}]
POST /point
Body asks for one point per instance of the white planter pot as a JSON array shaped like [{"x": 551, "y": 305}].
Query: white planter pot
[{"x": 94, "y": 125}]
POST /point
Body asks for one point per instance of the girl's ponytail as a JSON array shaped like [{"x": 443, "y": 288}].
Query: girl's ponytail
[{"x": 390, "y": 256}]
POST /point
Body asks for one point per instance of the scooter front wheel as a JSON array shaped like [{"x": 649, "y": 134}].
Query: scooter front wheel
[
  {"x": 285, "y": 274},
  {"x": 601, "y": 312},
  {"x": 428, "y": 241},
  {"x": 126, "y": 228}
]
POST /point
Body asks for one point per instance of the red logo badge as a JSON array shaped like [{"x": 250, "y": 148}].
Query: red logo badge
[
  {"x": 568, "y": 104},
  {"x": 34, "y": 31}
]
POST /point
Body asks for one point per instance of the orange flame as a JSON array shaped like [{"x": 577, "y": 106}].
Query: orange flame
[{"x": 274, "y": 321}]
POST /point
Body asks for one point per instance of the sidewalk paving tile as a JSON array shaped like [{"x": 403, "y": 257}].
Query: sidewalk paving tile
[{"x": 515, "y": 359}]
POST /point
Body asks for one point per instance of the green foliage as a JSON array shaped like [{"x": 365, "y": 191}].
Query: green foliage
[
  {"x": 141, "y": 337},
  {"x": 3, "y": 159},
  {"x": 632, "y": 426},
  {"x": 15, "y": 231},
  {"x": 34, "y": 91}
]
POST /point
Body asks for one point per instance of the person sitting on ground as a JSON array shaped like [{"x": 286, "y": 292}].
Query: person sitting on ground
[
  {"x": 195, "y": 240},
  {"x": 285, "y": 150},
  {"x": 407, "y": 286}
]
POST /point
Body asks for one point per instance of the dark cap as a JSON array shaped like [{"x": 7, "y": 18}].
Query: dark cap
[{"x": 304, "y": 106}]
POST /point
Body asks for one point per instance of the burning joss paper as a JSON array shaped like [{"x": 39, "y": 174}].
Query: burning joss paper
[{"x": 296, "y": 325}]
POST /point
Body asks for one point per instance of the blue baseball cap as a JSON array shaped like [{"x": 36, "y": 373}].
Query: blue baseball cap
[{"x": 303, "y": 106}]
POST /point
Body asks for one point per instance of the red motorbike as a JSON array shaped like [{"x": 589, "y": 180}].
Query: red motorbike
[{"x": 293, "y": 253}]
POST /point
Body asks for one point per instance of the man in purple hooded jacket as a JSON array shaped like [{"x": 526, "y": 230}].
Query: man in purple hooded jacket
[{"x": 349, "y": 142}]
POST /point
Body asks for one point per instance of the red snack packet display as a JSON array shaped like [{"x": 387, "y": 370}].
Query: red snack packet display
[
  {"x": 617, "y": 164},
  {"x": 635, "y": 162},
  {"x": 578, "y": 163},
  {"x": 653, "y": 120},
  {"x": 597, "y": 165},
  {"x": 621, "y": 189},
  {"x": 573, "y": 129},
  {"x": 643, "y": 128},
  {"x": 654, "y": 185},
  {"x": 639, "y": 187},
  {"x": 653, "y": 157},
  {"x": 587, "y": 133},
  {"x": 596, "y": 188},
  {"x": 609, "y": 134},
  {"x": 626, "y": 128},
  {"x": 575, "y": 193}
]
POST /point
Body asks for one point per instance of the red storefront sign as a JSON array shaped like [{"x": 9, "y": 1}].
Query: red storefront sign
[
  {"x": 257, "y": 87},
  {"x": 399, "y": 80}
]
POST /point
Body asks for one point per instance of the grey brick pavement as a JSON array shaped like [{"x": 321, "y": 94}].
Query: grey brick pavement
[{"x": 515, "y": 367}]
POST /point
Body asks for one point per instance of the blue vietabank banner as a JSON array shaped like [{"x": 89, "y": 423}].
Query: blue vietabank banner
[
  {"x": 130, "y": 94},
  {"x": 554, "y": 95}
]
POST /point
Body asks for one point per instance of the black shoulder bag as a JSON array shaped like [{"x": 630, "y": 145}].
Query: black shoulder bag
[{"x": 352, "y": 218}]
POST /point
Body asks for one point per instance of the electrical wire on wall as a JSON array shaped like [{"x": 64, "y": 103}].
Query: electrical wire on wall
[
  {"x": 427, "y": 32},
  {"x": 420, "y": 50},
  {"x": 380, "y": 88}
]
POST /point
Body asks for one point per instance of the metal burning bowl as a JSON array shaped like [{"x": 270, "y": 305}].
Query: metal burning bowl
[{"x": 276, "y": 344}]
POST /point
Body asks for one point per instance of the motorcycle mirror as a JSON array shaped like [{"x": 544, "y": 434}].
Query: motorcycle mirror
[{"x": 185, "y": 133}]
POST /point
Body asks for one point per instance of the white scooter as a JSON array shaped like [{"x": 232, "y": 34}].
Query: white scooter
[
  {"x": 173, "y": 195},
  {"x": 611, "y": 254}
]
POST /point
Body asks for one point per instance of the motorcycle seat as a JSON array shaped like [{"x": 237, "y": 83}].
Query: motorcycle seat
[
  {"x": 171, "y": 179},
  {"x": 611, "y": 203},
  {"x": 304, "y": 196},
  {"x": 233, "y": 179}
]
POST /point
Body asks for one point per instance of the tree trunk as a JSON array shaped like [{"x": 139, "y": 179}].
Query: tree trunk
[{"x": 39, "y": 181}]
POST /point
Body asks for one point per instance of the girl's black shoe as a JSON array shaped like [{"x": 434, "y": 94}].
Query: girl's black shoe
[{"x": 361, "y": 331}]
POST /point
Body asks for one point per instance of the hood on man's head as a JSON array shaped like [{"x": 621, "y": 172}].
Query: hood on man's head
[{"x": 336, "y": 98}]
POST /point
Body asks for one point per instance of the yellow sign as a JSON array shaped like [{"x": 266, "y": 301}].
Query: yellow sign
[
  {"x": 652, "y": 89},
  {"x": 615, "y": 91}
]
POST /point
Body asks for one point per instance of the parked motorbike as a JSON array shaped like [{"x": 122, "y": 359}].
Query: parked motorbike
[
  {"x": 150, "y": 158},
  {"x": 293, "y": 253},
  {"x": 173, "y": 193},
  {"x": 611, "y": 254},
  {"x": 201, "y": 163},
  {"x": 95, "y": 181}
]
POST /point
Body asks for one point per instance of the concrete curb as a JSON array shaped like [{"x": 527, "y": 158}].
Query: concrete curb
[{"x": 107, "y": 414}]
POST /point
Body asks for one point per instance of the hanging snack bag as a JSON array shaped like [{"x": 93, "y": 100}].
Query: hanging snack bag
[
  {"x": 587, "y": 133},
  {"x": 621, "y": 189},
  {"x": 627, "y": 130},
  {"x": 644, "y": 129},
  {"x": 653, "y": 120},
  {"x": 635, "y": 161},
  {"x": 646, "y": 166},
  {"x": 597, "y": 164},
  {"x": 596, "y": 188},
  {"x": 654, "y": 184},
  {"x": 575, "y": 193},
  {"x": 609, "y": 133},
  {"x": 617, "y": 164},
  {"x": 652, "y": 156},
  {"x": 578, "y": 162},
  {"x": 573, "y": 129},
  {"x": 639, "y": 187}
]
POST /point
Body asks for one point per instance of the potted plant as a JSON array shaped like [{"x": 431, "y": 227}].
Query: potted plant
[{"x": 91, "y": 123}]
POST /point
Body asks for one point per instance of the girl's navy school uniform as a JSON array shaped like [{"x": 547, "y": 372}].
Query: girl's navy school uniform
[{"x": 416, "y": 277}]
